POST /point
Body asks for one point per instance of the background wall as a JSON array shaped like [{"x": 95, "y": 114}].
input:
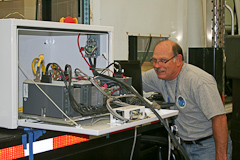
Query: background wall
[
  {"x": 186, "y": 22},
  {"x": 140, "y": 17}
]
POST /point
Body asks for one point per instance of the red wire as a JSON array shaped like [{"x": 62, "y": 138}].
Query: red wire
[
  {"x": 114, "y": 90},
  {"x": 125, "y": 78},
  {"x": 80, "y": 78},
  {"x": 112, "y": 72},
  {"x": 67, "y": 78},
  {"x": 80, "y": 50},
  {"x": 53, "y": 72}
]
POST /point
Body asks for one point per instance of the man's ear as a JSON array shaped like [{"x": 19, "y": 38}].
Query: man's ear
[{"x": 179, "y": 59}]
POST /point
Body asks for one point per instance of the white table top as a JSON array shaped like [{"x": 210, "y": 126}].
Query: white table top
[{"x": 98, "y": 126}]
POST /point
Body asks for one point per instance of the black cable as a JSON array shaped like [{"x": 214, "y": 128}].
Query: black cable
[
  {"x": 118, "y": 64},
  {"x": 90, "y": 62},
  {"x": 93, "y": 65},
  {"x": 146, "y": 53},
  {"x": 58, "y": 68},
  {"x": 153, "y": 110},
  {"x": 36, "y": 14},
  {"x": 235, "y": 13},
  {"x": 95, "y": 62},
  {"x": 112, "y": 83},
  {"x": 78, "y": 107}
]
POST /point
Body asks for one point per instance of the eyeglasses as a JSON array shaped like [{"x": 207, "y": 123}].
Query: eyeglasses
[{"x": 154, "y": 61}]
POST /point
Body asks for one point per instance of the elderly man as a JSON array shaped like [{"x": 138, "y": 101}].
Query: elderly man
[{"x": 201, "y": 122}]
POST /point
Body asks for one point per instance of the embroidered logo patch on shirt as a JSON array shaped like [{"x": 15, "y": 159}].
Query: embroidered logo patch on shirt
[{"x": 181, "y": 101}]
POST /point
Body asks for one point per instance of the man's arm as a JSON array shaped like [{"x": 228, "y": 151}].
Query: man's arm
[{"x": 220, "y": 133}]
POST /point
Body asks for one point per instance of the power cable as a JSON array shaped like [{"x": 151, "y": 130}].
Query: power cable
[
  {"x": 77, "y": 125},
  {"x": 134, "y": 142},
  {"x": 182, "y": 150}
]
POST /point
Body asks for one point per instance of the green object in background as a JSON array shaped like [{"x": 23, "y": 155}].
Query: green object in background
[{"x": 86, "y": 12}]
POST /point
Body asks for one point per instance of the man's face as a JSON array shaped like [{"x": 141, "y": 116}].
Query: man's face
[{"x": 168, "y": 70}]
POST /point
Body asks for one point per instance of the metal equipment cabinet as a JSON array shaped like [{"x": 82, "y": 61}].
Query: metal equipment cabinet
[{"x": 23, "y": 40}]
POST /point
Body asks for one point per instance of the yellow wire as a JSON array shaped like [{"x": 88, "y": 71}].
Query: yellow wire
[
  {"x": 33, "y": 62},
  {"x": 40, "y": 59},
  {"x": 15, "y": 13},
  {"x": 43, "y": 66}
]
